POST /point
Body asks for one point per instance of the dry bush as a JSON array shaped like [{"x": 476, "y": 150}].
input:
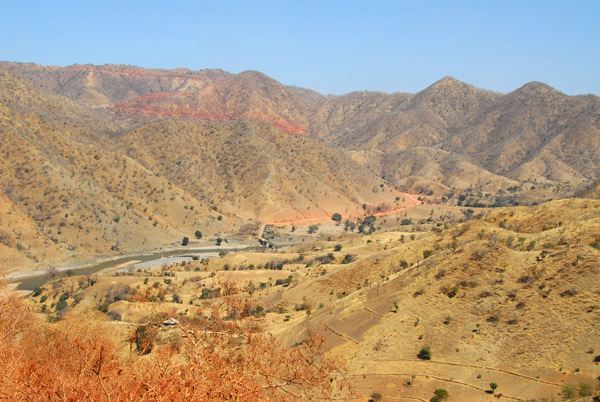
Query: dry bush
[{"x": 222, "y": 355}]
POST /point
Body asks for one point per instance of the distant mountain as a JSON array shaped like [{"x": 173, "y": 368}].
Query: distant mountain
[
  {"x": 142, "y": 95},
  {"x": 534, "y": 136}
]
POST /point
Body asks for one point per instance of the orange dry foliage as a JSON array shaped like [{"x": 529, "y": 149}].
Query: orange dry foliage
[{"x": 223, "y": 355}]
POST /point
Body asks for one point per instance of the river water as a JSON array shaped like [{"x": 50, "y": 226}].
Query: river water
[{"x": 31, "y": 282}]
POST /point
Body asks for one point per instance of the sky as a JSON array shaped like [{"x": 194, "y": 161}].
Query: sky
[{"x": 333, "y": 47}]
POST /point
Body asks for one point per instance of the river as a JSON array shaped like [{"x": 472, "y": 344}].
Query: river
[{"x": 37, "y": 280}]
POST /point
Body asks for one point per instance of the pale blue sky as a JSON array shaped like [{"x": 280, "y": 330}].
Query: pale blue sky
[{"x": 330, "y": 46}]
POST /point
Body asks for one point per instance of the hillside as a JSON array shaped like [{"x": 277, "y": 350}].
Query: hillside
[
  {"x": 77, "y": 187},
  {"x": 533, "y": 134},
  {"x": 543, "y": 139},
  {"x": 69, "y": 195},
  {"x": 509, "y": 297},
  {"x": 256, "y": 171}
]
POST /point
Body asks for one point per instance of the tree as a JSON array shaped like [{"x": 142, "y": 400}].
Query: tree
[
  {"x": 198, "y": 234},
  {"x": 336, "y": 217},
  {"x": 493, "y": 386},
  {"x": 219, "y": 241},
  {"x": 312, "y": 229},
  {"x": 338, "y": 247},
  {"x": 348, "y": 258},
  {"x": 425, "y": 353},
  {"x": 440, "y": 394},
  {"x": 185, "y": 241}
]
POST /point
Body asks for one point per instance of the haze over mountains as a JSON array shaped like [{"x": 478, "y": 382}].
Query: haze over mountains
[{"x": 162, "y": 152}]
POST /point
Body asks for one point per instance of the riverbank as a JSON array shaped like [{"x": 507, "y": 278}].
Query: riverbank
[{"x": 31, "y": 280}]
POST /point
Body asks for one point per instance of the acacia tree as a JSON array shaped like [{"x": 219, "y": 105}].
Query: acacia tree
[{"x": 222, "y": 354}]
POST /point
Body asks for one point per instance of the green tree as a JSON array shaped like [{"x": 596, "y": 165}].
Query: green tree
[
  {"x": 219, "y": 241},
  {"x": 185, "y": 241},
  {"x": 493, "y": 386},
  {"x": 440, "y": 394},
  {"x": 348, "y": 258},
  {"x": 338, "y": 247},
  {"x": 198, "y": 234},
  {"x": 312, "y": 229},
  {"x": 425, "y": 353},
  {"x": 336, "y": 217}
]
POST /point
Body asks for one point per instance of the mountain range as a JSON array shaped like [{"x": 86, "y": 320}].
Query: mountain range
[{"x": 143, "y": 156}]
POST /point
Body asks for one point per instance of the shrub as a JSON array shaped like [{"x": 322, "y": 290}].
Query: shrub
[
  {"x": 113, "y": 315},
  {"x": 425, "y": 353},
  {"x": 348, "y": 258},
  {"x": 440, "y": 394},
  {"x": 493, "y": 386},
  {"x": 569, "y": 391},
  {"x": 198, "y": 234},
  {"x": 585, "y": 389},
  {"x": 452, "y": 292},
  {"x": 376, "y": 396},
  {"x": 61, "y": 305},
  {"x": 336, "y": 217},
  {"x": 284, "y": 282},
  {"x": 312, "y": 229},
  {"x": 103, "y": 307},
  {"x": 338, "y": 247},
  {"x": 185, "y": 241}
]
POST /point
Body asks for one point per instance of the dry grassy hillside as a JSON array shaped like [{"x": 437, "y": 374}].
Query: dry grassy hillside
[
  {"x": 510, "y": 298},
  {"x": 535, "y": 132},
  {"x": 394, "y": 122},
  {"x": 67, "y": 194},
  {"x": 259, "y": 172}
]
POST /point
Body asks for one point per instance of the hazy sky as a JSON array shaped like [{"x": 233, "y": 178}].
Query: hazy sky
[{"x": 330, "y": 46}]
